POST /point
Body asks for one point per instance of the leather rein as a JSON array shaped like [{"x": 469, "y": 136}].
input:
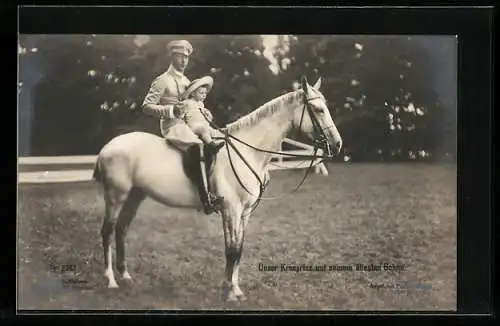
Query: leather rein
[{"x": 320, "y": 141}]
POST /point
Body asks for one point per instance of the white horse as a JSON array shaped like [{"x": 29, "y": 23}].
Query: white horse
[{"x": 135, "y": 165}]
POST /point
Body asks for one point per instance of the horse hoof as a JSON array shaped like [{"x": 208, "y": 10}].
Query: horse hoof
[
  {"x": 126, "y": 282},
  {"x": 126, "y": 276},
  {"x": 112, "y": 285},
  {"x": 232, "y": 297}
]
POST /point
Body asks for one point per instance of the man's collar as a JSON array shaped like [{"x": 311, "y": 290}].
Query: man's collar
[{"x": 174, "y": 71}]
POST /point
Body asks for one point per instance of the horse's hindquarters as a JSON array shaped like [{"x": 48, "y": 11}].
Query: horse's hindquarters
[{"x": 147, "y": 162}]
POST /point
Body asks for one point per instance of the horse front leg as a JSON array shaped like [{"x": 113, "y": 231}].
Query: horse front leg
[{"x": 234, "y": 224}]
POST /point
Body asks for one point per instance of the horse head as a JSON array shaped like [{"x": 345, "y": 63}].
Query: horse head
[{"x": 314, "y": 119}]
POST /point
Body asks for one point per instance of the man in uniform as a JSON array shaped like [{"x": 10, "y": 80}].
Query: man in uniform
[
  {"x": 167, "y": 88},
  {"x": 163, "y": 102}
]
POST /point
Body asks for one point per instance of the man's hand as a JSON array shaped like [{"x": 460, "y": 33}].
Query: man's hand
[{"x": 178, "y": 112}]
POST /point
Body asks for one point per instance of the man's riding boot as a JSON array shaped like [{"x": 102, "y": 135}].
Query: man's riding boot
[
  {"x": 204, "y": 197},
  {"x": 211, "y": 203}
]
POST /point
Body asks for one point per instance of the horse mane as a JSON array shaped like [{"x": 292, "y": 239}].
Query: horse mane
[{"x": 264, "y": 111}]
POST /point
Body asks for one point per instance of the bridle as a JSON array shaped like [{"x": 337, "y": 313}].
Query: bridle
[{"x": 320, "y": 140}]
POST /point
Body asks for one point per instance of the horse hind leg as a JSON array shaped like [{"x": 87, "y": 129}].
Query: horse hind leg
[
  {"x": 114, "y": 200},
  {"x": 127, "y": 214}
]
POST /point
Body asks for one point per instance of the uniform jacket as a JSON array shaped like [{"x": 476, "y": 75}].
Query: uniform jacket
[{"x": 163, "y": 94}]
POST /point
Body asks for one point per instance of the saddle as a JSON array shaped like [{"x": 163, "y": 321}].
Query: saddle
[{"x": 191, "y": 163}]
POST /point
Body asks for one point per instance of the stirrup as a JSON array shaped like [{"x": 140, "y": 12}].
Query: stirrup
[
  {"x": 215, "y": 200},
  {"x": 213, "y": 203}
]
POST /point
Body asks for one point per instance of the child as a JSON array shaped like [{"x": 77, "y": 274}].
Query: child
[{"x": 196, "y": 116}]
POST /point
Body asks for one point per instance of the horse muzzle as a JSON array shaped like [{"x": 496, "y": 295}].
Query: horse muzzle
[
  {"x": 332, "y": 151},
  {"x": 328, "y": 150}
]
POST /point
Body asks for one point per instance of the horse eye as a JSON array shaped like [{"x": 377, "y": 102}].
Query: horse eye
[{"x": 320, "y": 110}]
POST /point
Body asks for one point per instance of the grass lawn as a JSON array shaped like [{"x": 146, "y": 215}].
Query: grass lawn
[{"x": 402, "y": 214}]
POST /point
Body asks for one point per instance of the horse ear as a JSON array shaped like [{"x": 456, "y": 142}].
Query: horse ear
[
  {"x": 304, "y": 83},
  {"x": 317, "y": 85}
]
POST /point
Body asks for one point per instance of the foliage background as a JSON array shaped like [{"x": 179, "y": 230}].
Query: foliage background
[{"x": 393, "y": 97}]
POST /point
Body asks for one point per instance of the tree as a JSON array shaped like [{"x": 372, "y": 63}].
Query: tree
[
  {"x": 382, "y": 91},
  {"x": 379, "y": 90},
  {"x": 96, "y": 84}
]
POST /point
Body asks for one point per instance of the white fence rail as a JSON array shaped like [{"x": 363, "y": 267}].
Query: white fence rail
[
  {"x": 84, "y": 174},
  {"x": 54, "y": 160},
  {"x": 284, "y": 162}
]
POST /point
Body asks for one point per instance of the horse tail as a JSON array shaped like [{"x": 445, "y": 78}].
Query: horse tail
[{"x": 97, "y": 171}]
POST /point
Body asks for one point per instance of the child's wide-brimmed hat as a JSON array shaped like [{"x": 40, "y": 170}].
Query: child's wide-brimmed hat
[{"x": 206, "y": 81}]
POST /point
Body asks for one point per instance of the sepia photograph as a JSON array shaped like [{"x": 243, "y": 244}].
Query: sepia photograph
[{"x": 237, "y": 172}]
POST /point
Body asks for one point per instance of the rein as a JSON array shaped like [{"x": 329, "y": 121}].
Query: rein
[{"x": 319, "y": 141}]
